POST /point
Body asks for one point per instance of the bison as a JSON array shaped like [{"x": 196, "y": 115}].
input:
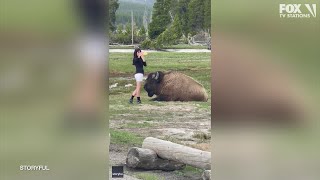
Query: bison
[{"x": 174, "y": 86}]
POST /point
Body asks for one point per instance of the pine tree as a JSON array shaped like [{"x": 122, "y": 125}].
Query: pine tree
[
  {"x": 120, "y": 29},
  {"x": 176, "y": 28},
  {"x": 182, "y": 11},
  {"x": 207, "y": 15},
  {"x": 170, "y": 35},
  {"x": 113, "y": 7},
  {"x": 142, "y": 31},
  {"x": 160, "y": 18},
  {"x": 196, "y": 15}
]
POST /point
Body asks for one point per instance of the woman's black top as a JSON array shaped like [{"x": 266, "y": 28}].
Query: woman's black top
[{"x": 138, "y": 62}]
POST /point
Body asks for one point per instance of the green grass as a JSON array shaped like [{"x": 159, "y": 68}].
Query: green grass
[
  {"x": 120, "y": 109},
  {"x": 137, "y": 125},
  {"x": 123, "y": 137},
  {"x": 203, "y": 105},
  {"x": 148, "y": 176},
  {"x": 122, "y": 62},
  {"x": 202, "y": 136},
  {"x": 189, "y": 170}
]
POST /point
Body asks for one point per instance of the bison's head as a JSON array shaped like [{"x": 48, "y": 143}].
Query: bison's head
[{"x": 152, "y": 82}]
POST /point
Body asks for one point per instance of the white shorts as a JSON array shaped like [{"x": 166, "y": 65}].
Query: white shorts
[{"x": 138, "y": 77}]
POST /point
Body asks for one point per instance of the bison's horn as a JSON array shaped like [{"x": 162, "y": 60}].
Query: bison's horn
[{"x": 157, "y": 75}]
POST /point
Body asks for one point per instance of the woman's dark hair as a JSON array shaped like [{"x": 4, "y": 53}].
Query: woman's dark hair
[{"x": 135, "y": 52}]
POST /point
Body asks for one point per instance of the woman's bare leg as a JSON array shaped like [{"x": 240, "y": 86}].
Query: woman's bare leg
[
  {"x": 134, "y": 92},
  {"x": 138, "y": 89}
]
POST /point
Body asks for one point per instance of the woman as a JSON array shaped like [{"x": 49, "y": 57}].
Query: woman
[{"x": 139, "y": 62}]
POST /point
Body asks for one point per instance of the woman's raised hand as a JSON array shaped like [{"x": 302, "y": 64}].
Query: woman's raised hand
[{"x": 140, "y": 54}]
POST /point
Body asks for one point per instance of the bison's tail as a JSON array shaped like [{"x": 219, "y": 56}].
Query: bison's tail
[{"x": 206, "y": 97}]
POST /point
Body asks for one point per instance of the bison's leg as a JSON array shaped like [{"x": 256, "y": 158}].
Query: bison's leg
[
  {"x": 164, "y": 98},
  {"x": 155, "y": 99},
  {"x": 158, "y": 98}
]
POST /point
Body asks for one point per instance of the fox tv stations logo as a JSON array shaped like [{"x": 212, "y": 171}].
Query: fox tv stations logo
[{"x": 298, "y": 10}]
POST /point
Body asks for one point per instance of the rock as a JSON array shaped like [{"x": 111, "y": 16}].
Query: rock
[{"x": 206, "y": 175}]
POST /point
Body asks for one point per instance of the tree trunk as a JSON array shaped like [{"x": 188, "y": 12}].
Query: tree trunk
[
  {"x": 179, "y": 153},
  {"x": 147, "y": 159}
]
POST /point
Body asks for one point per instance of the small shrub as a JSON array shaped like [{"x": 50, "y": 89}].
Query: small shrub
[
  {"x": 146, "y": 44},
  {"x": 202, "y": 136}
]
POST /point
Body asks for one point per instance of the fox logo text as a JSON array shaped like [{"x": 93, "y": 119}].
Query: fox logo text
[{"x": 298, "y": 10}]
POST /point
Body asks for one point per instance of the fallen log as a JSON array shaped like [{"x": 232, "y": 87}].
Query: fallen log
[
  {"x": 147, "y": 159},
  {"x": 206, "y": 175},
  {"x": 179, "y": 153}
]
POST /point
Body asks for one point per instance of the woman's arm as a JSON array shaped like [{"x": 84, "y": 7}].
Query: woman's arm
[
  {"x": 135, "y": 61},
  {"x": 143, "y": 60}
]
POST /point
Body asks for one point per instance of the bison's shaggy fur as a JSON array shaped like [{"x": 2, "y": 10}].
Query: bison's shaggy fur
[{"x": 174, "y": 86}]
